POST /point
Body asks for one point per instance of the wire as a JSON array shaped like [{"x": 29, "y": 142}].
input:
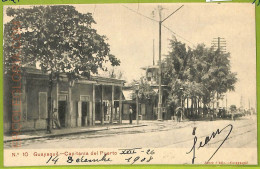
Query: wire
[
  {"x": 140, "y": 13},
  {"x": 162, "y": 24},
  {"x": 94, "y": 10},
  {"x": 178, "y": 35},
  {"x": 172, "y": 13}
]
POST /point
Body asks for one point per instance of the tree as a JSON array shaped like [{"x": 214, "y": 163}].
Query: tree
[
  {"x": 145, "y": 92},
  {"x": 233, "y": 108},
  {"x": 115, "y": 74},
  {"x": 61, "y": 40},
  {"x": 200, "y": 74},
  {"x": 177, "y": 76},
  {"x": 215, "y": 73}
]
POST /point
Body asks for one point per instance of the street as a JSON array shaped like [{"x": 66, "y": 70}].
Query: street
[{"x": 157, "y": 134}]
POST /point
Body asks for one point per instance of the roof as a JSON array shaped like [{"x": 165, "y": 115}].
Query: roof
[
  {"x": 150, "y": 67},
  {"x": 107, "y": 81},
  {"x": 32, "y": 71},
  {"x": 128, "y": 94}
]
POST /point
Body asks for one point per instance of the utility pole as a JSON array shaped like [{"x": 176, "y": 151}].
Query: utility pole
[
  {"x": 242, "y": 101},
  {"x": 160, "y": 65},
  {"x": 219, "y": 44},
  {"x": 249, "y": 107},
  {"x": 153, "y": 52},
  {"x": 160, "y": 8},
  {"x": 137, "y": 109},
  {"x": 226, "y": 104},
  {"x": 249, "y": 104}
]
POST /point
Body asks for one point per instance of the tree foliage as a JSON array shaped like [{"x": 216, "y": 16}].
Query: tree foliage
[
  {"x": 233, "y": 108},
  {"x": 60, "y": 39},
  {"x": 201, "y": 73},
  {"x": 115, "y": 74},
  {"x": 146, "y": 94}
]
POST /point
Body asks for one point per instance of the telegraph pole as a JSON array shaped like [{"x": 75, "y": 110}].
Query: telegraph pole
[
  {"x": 226, "y": 104},
  {"x": 160, "y": 8},
  {"x": 219, "y": 44},
  {"x": 153, "y": 52},
  {"x": 160, "y": 65}
]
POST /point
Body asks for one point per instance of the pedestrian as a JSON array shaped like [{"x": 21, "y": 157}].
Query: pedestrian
[
  {"x": 211, "y": 115},
  {"x": 179, "y": 111},
  {"x": 55, "y": 118},
  {"x": 180, "y": 114},
  {"x": 130, "y": 114}
]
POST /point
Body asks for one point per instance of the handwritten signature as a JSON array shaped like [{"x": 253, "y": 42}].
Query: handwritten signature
[
  {"x": 207, "y": 140},
  {"x": 14, "y": 1}
]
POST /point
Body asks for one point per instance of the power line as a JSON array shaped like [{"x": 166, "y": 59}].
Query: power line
[
  {"x": 178, "y": 35},
  {"x": 94, "y": 10},
  {"x": 172, "y": 13},
  {"x": 162, "y": 24},
  {"x": 140, "y": 13}
]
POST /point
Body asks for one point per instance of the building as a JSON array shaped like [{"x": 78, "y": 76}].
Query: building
[
  {"x": 146, "y": 110},
  {"x": 152, "y": 76},
  {"x": 86, "y": 102}
]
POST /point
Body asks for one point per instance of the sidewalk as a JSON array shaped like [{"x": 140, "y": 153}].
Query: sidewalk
[{"x": 29, "y": 135}]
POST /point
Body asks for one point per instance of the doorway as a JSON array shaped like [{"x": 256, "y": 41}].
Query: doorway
[
  {"x": 98, "y": 111},
  {"x": 62, "y": 112},
  {"x": 84, "y": 109}
]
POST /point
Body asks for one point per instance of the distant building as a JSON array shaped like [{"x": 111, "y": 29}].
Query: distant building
[
  {"x": 148, "y": 110},
  {"x": 151, "y": 75},
  {"x": 145, "y": 111}
]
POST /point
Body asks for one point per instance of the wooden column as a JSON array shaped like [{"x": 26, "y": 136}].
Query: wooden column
[
  {"x": 120, "y": 105},
  {"x": 57, "y": 96},
  {"x": 89, "y": 119},
  {"x": 112, "y": 104},
  {"x": 102, "y": 105},
  {"x": 137, "y": 109},
  {"x": 70, "y": 106},
  {"x": 79, "y": 114},
  {"x": 94, "y": 105}
]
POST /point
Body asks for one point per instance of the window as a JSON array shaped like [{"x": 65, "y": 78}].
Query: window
[
  {"x": 149, "y": 76},
  {"x": 62, "y": 97},
  {"x": 84, "y": 98}
]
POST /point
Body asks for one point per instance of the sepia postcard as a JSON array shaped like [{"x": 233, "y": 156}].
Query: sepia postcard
[{"x": 129, "y": 84}]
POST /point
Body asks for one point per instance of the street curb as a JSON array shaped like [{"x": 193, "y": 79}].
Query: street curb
[{"x": 74, "y": 133}]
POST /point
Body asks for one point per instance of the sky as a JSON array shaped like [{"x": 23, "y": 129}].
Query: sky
[{"x": 131, "y": 35}]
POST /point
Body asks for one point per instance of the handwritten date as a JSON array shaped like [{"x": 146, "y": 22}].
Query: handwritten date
[{"x": 143, "y": 156}]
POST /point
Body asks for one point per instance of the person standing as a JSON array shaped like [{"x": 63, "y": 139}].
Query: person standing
[
  {"x": 55, "y": 118},
  {"x": 179, "y": 114},
  {"x": 130, "y": 114}
]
